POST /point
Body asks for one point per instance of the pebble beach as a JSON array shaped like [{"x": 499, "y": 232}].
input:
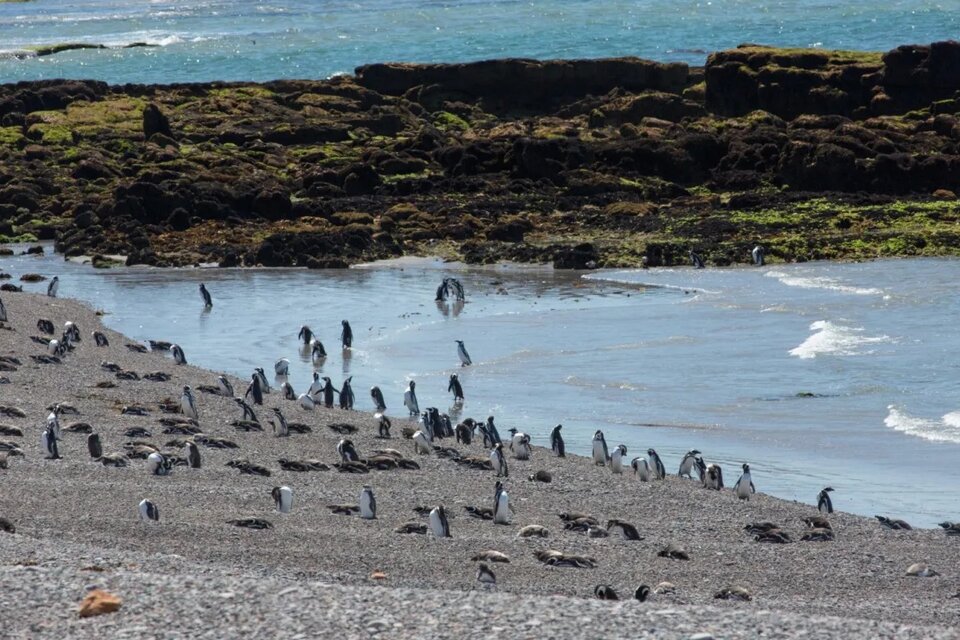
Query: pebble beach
[{"x": 315, "y": 572}]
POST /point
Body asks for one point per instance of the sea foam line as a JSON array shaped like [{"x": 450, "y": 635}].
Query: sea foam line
[
  {"x": 835, "y": 340},
  {"x": 946, "y": 429}
]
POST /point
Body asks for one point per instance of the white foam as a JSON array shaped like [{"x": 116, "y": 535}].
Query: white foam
[
  {"x": 821, "y": 282},
  {"x": 946, "y": 429},
  {"x": 829, "y": 339}
]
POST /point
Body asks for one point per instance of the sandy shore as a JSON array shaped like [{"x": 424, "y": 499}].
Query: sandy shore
[{"x": 73, "y": 514}]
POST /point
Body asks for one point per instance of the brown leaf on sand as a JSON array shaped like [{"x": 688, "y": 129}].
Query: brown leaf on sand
[
  {"x": 98, "y": 602},
  {"x": 378, "y": 575}
]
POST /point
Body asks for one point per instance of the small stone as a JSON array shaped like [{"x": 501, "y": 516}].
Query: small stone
[
  {"x": 701, "y": 636},
  {"x": 98, "y": 602},
  {"x": 378, "y": 575}
]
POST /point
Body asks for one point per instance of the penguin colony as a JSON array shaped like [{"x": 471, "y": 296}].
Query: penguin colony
[{"x": 427, "y": 436}]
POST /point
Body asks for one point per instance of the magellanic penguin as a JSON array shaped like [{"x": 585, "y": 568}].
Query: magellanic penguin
[
  {"x": 281, "y": 367},
  {"x": 520, "y": 445},
  {"x": 347, "y": 452},
  {"x": 490, "y": 432},
  {"x": 148, "y": 511},
  {"x": 485, "y": 575},
  {"x": 254, "y": 392},
  {"x": 158, "y": 464},
  {"x": 600, "y": 454},
  {"x": 283, "y": 498},
  {"x": 188, "y": 404},
  {"x": 264, "y": 385},
  {"x": 455, "y": 388},
  {"x": 207, "y": 299},
  {"x": 317, "y": 352},
  {"x": 499, "y": 461},
  {"x": 346, "y": 395},
  {"x": 3, "y": 312},
  {"x": 178, "y": 355},
  {"x": 713, "y": 477},
  {"x": 438, "y": 522},
  {"x": 328, "y": 392},
  {"x": 605, "y": 592},
  {"x": 286, "y": 389},
  {"x": 100, "y": 339},
  {"x": 383, "y": 427},
  {"x": 226, "y": 389},
  {"x": 48, "y": 442},
  {"x": 368, "y": 504},
  {"x": 193, "y": 455},
  {"x": 306, "y": 402},
  {"x": 641, "y": 469},
  {"x": 305, "y": 335},
  {"x": 556, "y": 442},
  {"x": 52, "y": 287},
  {"x": 94, "y": 446},
  {"x": 689, "y": 464},
  {"x": 346, "y": 335},
  {"x": 465, "y": 360},
  {"x": 421, "y": 444},
  {"x": 377, "y": 396},
  {"x": 410, "y": 399},
  {"x": 316, "y": 387},
  {"x": 616, "y": 458},
  {"x": 744, "y": 486},
  {"x": 248, "y": 413},
  {"x": 53, "y": 421},
  {"x": 697, "y": 260},
  {"x": 656, "y": 465},
  {"x": 824, "y": 503},
  {"x": 758, "y": 255},
  {"x": 501, "y": 505},
  {"x": 280, "y": 429}
]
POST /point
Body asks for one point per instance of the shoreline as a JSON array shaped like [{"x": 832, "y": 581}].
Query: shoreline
[{"x": 76, "y": 500}]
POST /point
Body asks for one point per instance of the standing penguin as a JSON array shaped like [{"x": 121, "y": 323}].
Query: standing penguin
[
  {"x": 501, "y": 505},
  {"x": 3, "y": 312},
  {"x": 264, "y": 385},
  {"x": 305, "y": 335},
  {"x": 280, "y": 429},
  {"x": 499, "y": 461},
  {"x": 697, "y": 260},
  {"x": 188, "y": 404},
  {"x": 226, "y": 389},
  {"x": 317, "y": 352},
  {"x": 656, "y": 464},
  {"x": 744, "y": 486},
  {"x": 283, "y": 498},
  {"x": 824, "y": 503},
  {"x": 328, "y": 392},
  {"x": 520, "y": 445},
  {"x": 491, "y": 430},
  {"x": 713, "y": 477},
  {"x": 420, "y": 443},
  {"x": 53, "y": 421},
  {"x": 178, "y": 355},
  {"x": 48, "y": 442},
  {"x": 316, "y": 387},
  {"x": 455, "y": 388},
  {"x": 368, "y": 504},
  {"x": 346, "y": 451},
  {"x": 346, "y": 336},
  {"x": 616, "y": 458},
  {"x": 383, "y": 427},
  {"x": 193, "y": 455},
  {"x": 556, "y": 442},
  {"x": 377, "y": 397},
  {"x": 94, "y": 446},
  {"x": 248, "y": 413},
  {"x": 410, "y": 399},
  {"x": 346, "y": 395},
  {"x": 600, "y": 455},
  {"x": 254, "y": 391},
  {"x": 641, "y": 469},
  {"x": 281, "y": 367},
  {"x": 758, "y": 254},
  {"x": 52, "y": 287},
  {"x": 207, "y": 300},
  {"x": 100, "y": 339},
  {"x": 486, "y": 576},
  {"x": 465, "y": 360},
  {"x": 688, "y": 464},
  {"x": 287, "y": 390},
  {"x": 148, "y": 511},
  {"x": 438, "y": 522}
]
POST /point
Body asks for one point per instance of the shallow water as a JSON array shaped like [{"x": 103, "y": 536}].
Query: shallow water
[
  {"x": 816, "y": 374},
  {"x": 255, "y": 40}
]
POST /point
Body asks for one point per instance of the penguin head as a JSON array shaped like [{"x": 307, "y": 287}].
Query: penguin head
[
  {"x": 623, "y": 449},
  {"x": 827, "y": 489},
  {"x": 652, "y": 453},
  {"x": 412, "y": 385},
  {"x": 746, "y": 468},
  {"x": 598, "y": 435},
  {"x": 641, "y": 593},
  {"x": 558, "y": 427}
]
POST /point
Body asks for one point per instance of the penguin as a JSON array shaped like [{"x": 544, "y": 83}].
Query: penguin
[
  {"x": 226, "y": 389},
  {"x": 3, "y": 312},
  {"x": 605, "y": 592},
  {"x": 193, "y": 455},
  {"x": 410, "y": 399},
  {"x": 744, "y": 486},
  {"x": 48, "y": 442},
  {"x": 556, "y": 442},
  {"x": 305, "y": 335},
  {"x": 53, "y": 286},
  {"x": 346, "y": 336},
  {"x": 713, "y": 477},
  {"x": 465, "y": 360},
  {"x": 491, "y": 430},
  {"x": 178, "y": 355},
  {"x": 328, "y": 392},
  {"x": 442, "y": 292},
  {"x": 485, "y": 575},
  {"x": 455, "y": 388},
  {"x": 520, "y": 445},
  {"x": 438, "y": 522},
  {"x": 383, "y": 427},
  {"x": 600, "y": 455},
  {"x": 501, "y": 505},
  {"x": 457, "y": 289},
  {"x": 70, "y": 330},
  {"x": 697, "y": 260},
  {"x": 420, "y": 443},
  {"x": 264, "y": 385},
  {"x": 100, "y": 339},
  {"x": 378, "y": 401},
  {"x": 688, "y": 464},
  {"x": 758, "y": 255},
  {"x": 824, "y": 503},
  {"x": 158, "y": 464},
  {"x": 656, "y": 464},
  {"x": 287, "y": 390},
  {"x": 701, "y": 467},
  {"x": 254, "y": 391},
  {"x": 499, "y": 461},
  {"x": 616, "y": 459},
  {"x": 316, "y": 387},
  {"x": 282, "y": 498},
  {"x": 642, "y": 593},
  {"x": 281, "y": 429},
  {"x": 148, "y": 511},
  {"x": 248, "y": 413},
  {"x": 368, "y": 504},
  {"x": 346, "y": 395},
  {"x": 281, "y": 367},
  {"x": 346, "y": 451},
  {"x": 641, "y": 468},
  {"x": 53, "y": 421},
  {"x": 188, "y": 405},
  {"x": 317, "y": 352},
  {"x": 94, "y": 446},
  {"x": 54, "y": 347},
  {"x": 207, "y": 300},
  {"x": 306, "y": 402}
]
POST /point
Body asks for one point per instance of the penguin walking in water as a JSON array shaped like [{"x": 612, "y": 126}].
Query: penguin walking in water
[
  {"x": 317, "y": 352},
  {"x": 641, "y": 468},
  {"x": 148, "y": 511},
  {"x": 100, "y": 340},
  {"x": 501, "y": 505},
  {"x": 48, "y": 443},
  {"x": 254, "y": 391},
  {"x": 188, "y": 404},
  {"x": 824, "y": 503},
  {"x": 281, "y": 367},
  {"x": 207, "y": 299},
  {"x": 485, "y": 575},
  {"x": 713, "y": 477},
  {"x": 455, "y": 388},
  {"x": 556, "y": 442},
  {"x": 283, "y": 498},
  {"x": 697, "y": 260},
  {"x": 178, "y": 355},
  {"x": 346, "y": 395},
  {"x": 600, "y": 454},
  {"x": 410, "y": 399},
  {"x": 306, "y": 402},
  {"x": 656, "y": 464},
  {"x": 465, "y": 360},
  {"x": 378, "y": 402},
  {"x": 616, "y": 459},
  {"x": 286, "y": 389},
  {"x": 744, "y": 486},
  {"x": 758, "y": 255},
  {"x": 226, "y": 389},
  {"x": 193, "y": 455},
  {"x": 305, "y": 335},
  {"x": 346, "y": 335},
  {"x": 499, "y": 461},
  {"x": 53, "y": 286},
  {"x": 438, "y": 522},
  {"x": 368, "y": 504},
  {"x": 689, "y": 464}
]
